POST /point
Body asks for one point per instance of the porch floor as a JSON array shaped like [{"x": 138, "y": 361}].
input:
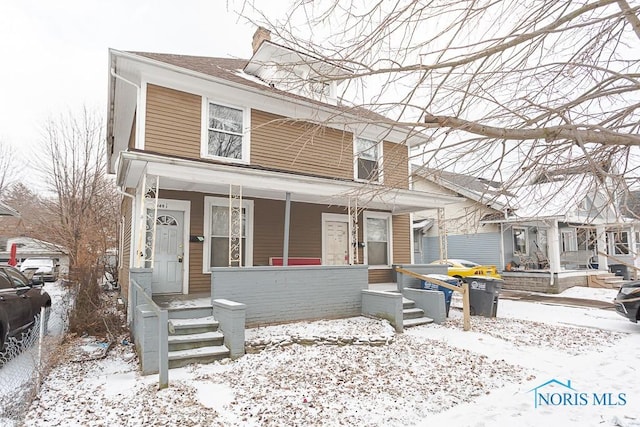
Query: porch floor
[{"x": 175, "y": 301}]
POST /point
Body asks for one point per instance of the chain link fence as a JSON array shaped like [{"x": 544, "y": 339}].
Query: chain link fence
[{"x": 26, "y": 358}]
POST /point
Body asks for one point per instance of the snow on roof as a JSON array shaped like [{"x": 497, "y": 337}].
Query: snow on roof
[{"x": 553, "y": 198}]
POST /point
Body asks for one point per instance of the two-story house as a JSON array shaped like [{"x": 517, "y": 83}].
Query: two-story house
[{"x": 241, "y": 163}]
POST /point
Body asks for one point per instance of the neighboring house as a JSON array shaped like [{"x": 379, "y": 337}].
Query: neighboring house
[
  {"x": 557, "y": 222},
  {"x": 223, "y": 163},
  {"x": 28, "y": 247},
  {"x": 572, "y": 220},
  {"x": 467, "y": 237}
]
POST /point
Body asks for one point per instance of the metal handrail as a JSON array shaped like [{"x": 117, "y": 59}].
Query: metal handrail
[{"x": 163, "y": 339}]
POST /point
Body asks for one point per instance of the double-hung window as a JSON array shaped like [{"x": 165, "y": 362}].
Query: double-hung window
[
  {"x": 620, "y": 242},
  {"x": 216, "y": 230},
  {"x": 226, "y": 135},
  {"x": 520, "y": 241},
  {"x": 377, "y": 233},
  {"x": 368, "y": 155}
]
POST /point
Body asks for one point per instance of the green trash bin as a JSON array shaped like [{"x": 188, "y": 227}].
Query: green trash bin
[{"x": 484, "y": 295}]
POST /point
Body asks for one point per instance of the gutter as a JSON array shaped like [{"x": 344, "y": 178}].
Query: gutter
[{"x": 110, "y": 112}]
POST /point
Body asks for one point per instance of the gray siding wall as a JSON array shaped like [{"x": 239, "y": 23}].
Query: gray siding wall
[
  {"x": 483, "y": 248},
  {"x": 286, "y": 294}
]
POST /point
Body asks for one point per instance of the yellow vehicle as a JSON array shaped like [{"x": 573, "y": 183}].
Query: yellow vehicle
[{"x": 462, "y": 268}]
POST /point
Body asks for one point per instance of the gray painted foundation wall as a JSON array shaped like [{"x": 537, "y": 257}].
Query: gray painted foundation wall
[
  {"x": 431, "y": 302},
  {"x": 231, "y": 322},
  {"x": 286, "y": 294},
  {"x": 147, "y": 339},
  {"x": 384, "y": 305}
]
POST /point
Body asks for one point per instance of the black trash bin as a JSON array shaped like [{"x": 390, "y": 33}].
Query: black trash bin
[
  {"x": 435, "y": 287},
  {"x": 620, "y": 270},
  {"x": 483, "y": 295}
]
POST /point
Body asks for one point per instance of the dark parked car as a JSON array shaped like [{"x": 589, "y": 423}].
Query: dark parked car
[
  {"x": 20, "y": 302},
  {"x": 627, "y": 301}
]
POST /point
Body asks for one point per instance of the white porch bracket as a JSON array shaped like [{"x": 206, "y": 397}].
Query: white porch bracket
[
  {"x": 235, "y": 225},
  {"x": 150, "y": 186},
  {"x": 353, "y": 235}
]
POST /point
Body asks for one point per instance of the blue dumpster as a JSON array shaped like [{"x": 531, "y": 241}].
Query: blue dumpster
[{"x": 435, "y": 287}]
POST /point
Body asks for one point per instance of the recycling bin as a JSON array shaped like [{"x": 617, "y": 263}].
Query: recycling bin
[
  {"x": 620, "y": 270},
  {"x": 483, "y": 295},
  {"x": 435, "y": 287}
]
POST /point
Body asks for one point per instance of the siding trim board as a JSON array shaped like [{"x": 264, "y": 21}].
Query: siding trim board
[{"x": 215, "y": 177}]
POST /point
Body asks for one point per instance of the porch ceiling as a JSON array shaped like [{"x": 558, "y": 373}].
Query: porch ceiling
[{"x": 189, "y": 175}]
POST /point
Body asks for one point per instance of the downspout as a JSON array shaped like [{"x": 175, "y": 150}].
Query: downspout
[{"x": 118, "y": 76}]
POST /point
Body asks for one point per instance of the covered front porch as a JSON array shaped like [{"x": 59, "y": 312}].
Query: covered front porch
[
  {"x": 195, "y": 216},
  {"x": 558, "y": 246}
]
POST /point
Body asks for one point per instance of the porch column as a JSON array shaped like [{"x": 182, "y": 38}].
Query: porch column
[
  {"x": 287, "y": 217},
  {"x": 601, "y": 243},
  {"x": 502, "y": 257},
  {"x": 553, "y": 242}
]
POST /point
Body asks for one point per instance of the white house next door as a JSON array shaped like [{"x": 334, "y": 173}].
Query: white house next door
[
  {"x": 336, "y": 242},
  {"x": 169, "y": 252}
]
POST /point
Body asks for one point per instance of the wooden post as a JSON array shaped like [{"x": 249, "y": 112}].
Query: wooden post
[
  {"x": 466, "y": 307},
  {"x": 464, "y": 290}
]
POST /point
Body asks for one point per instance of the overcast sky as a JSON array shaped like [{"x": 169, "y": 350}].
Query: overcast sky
[{"x": 54, "y": 53}]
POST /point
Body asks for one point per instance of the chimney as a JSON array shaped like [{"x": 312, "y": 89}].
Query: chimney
[{"x": 259, "y": 36}]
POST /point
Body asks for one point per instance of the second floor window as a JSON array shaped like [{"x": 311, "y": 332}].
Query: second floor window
[
  {"x": 368, "y": 155},
  {"x": 225, "y": 132}
]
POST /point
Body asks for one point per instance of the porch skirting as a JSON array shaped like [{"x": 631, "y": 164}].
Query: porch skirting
[
  {"x": 295, "y": 293},
  {"x": 543, "y": 281}
]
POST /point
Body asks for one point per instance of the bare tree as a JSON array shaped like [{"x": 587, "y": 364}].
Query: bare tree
[
  {"x": 8, "y": 168},
  {"x": 518, "y": 86},
  {"x": 84, "y": 204}
]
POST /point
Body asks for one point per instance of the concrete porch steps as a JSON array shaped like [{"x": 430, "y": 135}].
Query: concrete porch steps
[
  {"x": 193, "y": 326},
  {"x": 412, "y": 315},
  {"x": 189, "y": 341},
  {"x": 194, "y": 336},
  {"x": 605, "y": 280},
  {"x": 202, "y": 355}
]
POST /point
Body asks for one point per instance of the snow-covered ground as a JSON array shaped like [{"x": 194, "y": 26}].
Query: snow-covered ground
[{"x": 430, "y": 375}]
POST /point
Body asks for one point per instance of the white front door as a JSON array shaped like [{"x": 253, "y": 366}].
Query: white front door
[
  {"x": 336, "y": 240},
  {"x": 169, "y": 252}
]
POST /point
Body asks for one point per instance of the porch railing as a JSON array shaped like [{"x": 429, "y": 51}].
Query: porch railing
[{"x": 140, "y": 297}]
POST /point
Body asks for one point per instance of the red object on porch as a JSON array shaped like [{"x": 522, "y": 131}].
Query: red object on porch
[
  {"x": 277, "y": 260},
  {"x": 13, "y": 261}
]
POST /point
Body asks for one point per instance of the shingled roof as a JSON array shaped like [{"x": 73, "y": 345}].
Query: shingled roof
[{"x": 231, "y": 69}]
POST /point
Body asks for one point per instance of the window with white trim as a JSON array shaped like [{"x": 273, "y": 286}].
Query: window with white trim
[
  {"x": 520, "y": 241},
  {"x": 216, "y": 233},
  {"x": 225, "y": 135},
  {"x": 568, "y": 240},
  {"x": 377, "y": 234},
  {"x": 368, "y": 160},
  {"x": 620, "y": 241}
]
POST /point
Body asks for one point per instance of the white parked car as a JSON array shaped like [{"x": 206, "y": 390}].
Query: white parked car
[{"x": 45, "y": 269}]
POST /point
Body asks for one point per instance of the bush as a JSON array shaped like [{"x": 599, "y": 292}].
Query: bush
[{"x": 94, "y": 311}]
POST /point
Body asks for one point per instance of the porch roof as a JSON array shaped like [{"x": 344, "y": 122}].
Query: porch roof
[{"x": 205, "y": 177}]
